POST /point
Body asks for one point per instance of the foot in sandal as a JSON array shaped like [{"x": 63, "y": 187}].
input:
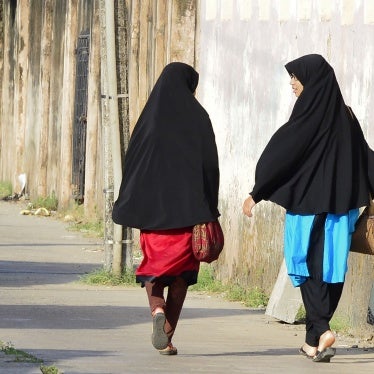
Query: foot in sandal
[
  {"x": 324, "y": 350},
  {"x": 308, "y": 351},
  {"x": 170, "y": 350}
]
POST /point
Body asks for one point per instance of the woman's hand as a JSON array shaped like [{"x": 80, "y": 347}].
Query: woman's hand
[{"x": 248, "y": 205}]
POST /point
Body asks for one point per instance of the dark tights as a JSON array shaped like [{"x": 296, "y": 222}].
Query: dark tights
[
  {"x": 174, "y": 302},
  {"x": 320, "y": 298}
]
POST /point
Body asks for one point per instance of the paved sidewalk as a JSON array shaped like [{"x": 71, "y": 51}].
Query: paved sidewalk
[{"x": 45, "y": 311}]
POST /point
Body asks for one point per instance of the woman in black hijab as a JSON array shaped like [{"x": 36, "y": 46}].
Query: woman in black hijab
[
  {"x": 170, "y": 183},
  {"x": 319, "y": 167}
]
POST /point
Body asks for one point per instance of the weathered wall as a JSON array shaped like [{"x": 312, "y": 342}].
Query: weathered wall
[
  {"x": 38, "y": 86},
  {"x": 160, "y": 32},
  {"x": 244, "y": 45},
  {"x": 1, "y": 65},
  {"x": 37, "y": 96}
]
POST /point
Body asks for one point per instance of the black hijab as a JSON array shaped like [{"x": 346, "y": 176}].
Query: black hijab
[
  {"x": 171, "y": 174},
  {"x": 319, "y": 160}
]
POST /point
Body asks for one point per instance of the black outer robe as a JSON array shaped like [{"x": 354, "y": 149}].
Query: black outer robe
[
  {"x": 319, "y": 160},
  {"x": 171, "y": 174}
]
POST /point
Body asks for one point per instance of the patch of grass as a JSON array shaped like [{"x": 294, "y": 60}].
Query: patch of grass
[
  {"x": 253, "y": 297},
  {"x": 75, "y": 212},
  {"x": 50, "y": 370},
  {"x": 6, "y": 189},
  {"x": 106, "y": 278},
  {"x": 19, "y": 356},
  {"x": 207, "y": 282},
  {"x": 340, "y": 324},
  {"x": 91, "y": 226},
  {"x": 49, "y": 202},
  {"x": 301, "y": 315}
]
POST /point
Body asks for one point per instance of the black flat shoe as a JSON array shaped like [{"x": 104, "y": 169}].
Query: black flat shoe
[{"x": 325, "y": 355}]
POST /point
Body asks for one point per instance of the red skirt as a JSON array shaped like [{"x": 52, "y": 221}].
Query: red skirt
[{"x": 167, "y": 254}]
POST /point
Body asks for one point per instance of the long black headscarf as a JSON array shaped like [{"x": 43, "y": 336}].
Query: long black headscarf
[
  {"x": 171, "y": 174},
  {"x": 319, "y": 160}
]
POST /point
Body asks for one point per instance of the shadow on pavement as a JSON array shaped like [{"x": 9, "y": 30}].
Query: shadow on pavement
[
  {"x": 92, "y": 317},
  {"x": 20, "y": 274},
  {"x": 340, "y": 352}
]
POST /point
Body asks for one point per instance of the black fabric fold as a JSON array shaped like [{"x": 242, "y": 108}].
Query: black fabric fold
[
  {"x": 319, "y": 161},
  {"x": 171, "y": 174}
]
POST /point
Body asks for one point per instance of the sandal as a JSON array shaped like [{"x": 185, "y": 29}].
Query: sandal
[
  {"x": 170, "y": 350},
  {"x": 325, "y": 355},
  {"x": 159, "y": 338},
  {"x": 304, "y": 353}
]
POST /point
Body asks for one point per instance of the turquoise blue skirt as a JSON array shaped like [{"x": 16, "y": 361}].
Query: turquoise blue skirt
[{"x": 338, "y": 234}]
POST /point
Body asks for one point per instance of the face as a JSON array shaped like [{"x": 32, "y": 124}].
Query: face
[{"x": 297, "y": 87}]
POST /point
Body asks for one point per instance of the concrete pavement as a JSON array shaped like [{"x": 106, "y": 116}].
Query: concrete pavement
[{"x": 45, "y": 311}]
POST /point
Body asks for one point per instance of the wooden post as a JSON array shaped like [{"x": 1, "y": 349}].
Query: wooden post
[
  {"x": 7, "y": 91},
  {"x": 145, "y": 53},
  {"x": 93, "y": 103},
  {"x": 67, "y": 111},
  {"x": 20, "y": 93},
  {"x": 133, "y": 62},
  {"x": 161, "y": 32},
  {"x": 44, "y": 96},
  {"x": 182, "y": 38}
]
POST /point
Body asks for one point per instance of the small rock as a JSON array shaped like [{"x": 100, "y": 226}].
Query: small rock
[{"x": 69, "y": 218}]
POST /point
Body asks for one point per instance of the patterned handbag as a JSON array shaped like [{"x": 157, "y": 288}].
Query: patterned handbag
[
  {"x": 207, "y": 241},
  {"x": 363, "y": 236}
]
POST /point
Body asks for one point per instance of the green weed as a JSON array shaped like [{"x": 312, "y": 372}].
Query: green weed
[
  {"x": 340, "y": 324},
  {"x": 6, "y": 189},
  {"x": 90, "y": 226},
  {"x": 19, "y": 356},
  {"x": 206, "y": 283},
  {"x": 103, "y": 277},
  {"x": 251, "y": 297},
  {"x": 47, "y": 202},
  {"x": 255, "y": 297},
  {"x": 301, "y": 314},
  {"x": 50, "y": 370}
]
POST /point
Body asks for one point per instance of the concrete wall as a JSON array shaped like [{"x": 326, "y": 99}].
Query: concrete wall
[{"x": 244, "y": 45}]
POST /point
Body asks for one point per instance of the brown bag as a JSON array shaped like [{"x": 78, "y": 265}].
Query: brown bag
[
  {"x": 363, "y": 236},
  {"x": 207, "y": 241}
]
